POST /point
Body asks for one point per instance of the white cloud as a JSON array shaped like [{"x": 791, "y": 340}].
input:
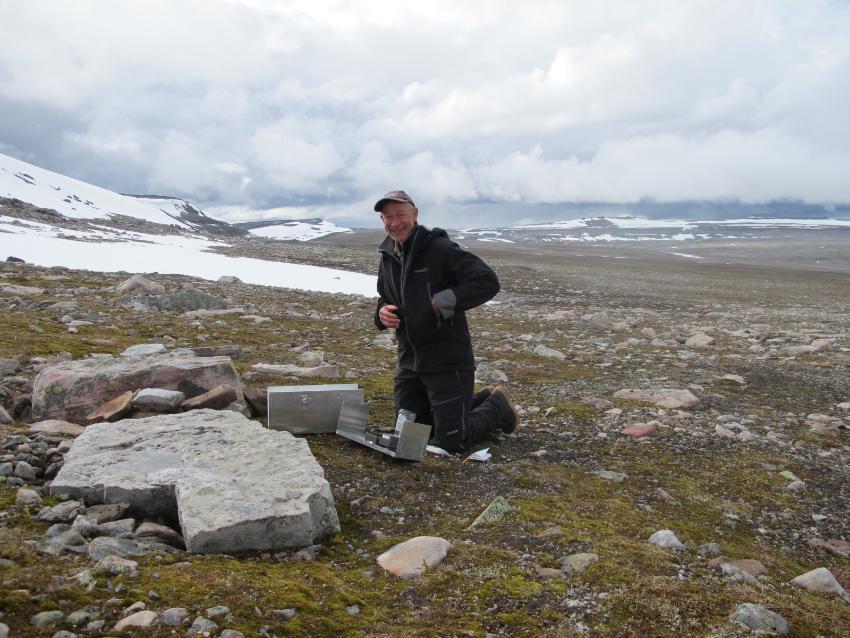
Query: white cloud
[{"x": 325, "y": 104}]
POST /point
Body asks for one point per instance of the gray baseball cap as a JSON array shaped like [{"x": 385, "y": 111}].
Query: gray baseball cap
[{"x": 394, "y": 196}]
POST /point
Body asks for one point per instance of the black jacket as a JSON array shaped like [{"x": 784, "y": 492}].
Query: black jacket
[{"x": 433, "y": 265}]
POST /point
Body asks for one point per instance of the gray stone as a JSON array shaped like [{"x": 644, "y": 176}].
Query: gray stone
[
  {"x": 411, "y": 558},
  {"x": 59, "y": 538},
  {"x": 667, "y": 539},
  {"x": 72, "y": 390},
  {"x": 6, "y": 469},
  {"x": 159, "y": 533},
  {"x": 139, "y": 619},
  {"x": 95, "y": 626},
  {"x": 45, "y": 619},
  {"x": 104, "y": 546},
  {"x": 144, "y": 350},
  {"x": 218, "y": 610},
  {"x": 64, "y": 633},
  {"x": 26, "y": 497},
  {"x": 662, "y": 397},
  {"x": 25, "y": 471},
  {"x": 140, "y": 283},
  {"x": 235, "y": 485},
  {"x": 122, "y": 528},
  {"x": 493, "y": 513},
  {"x": 4, "y": 630},
  {"x": 65, "y": 512},
  {"x": 22, "y": 290},
  {"x": 56, "y": 426},
  {"x": 699, "y": 340},
  {"x": 187, "y": 300},
  {"x": 231, "y": 633},
  {"x": 157, "y": 400},
  {"x": 551, "y": 353},
  {"x": 488, "y": 374},
  {"x": 323, "y": 371},
  {"x": 115, "y": 565},
  {"x": 9, "y": 366},
  {"x": 821, "y": 581},
  {"x": 576, "y": 563},
  {"x": 174, "y": 616},
  {"x": 201, "y": 625},
  {"x": 84, "y": 615},
  {"x": 106, "y": 512},
  {"x": 760, "y": 620},
  {"x": 5, "y": 417},
  {"x": 608, "y": 475}
]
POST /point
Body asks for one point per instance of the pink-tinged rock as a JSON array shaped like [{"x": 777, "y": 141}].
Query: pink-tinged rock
[
  {"x": 56, "y": 426},
  {"x": 834, "y": 545},
  {"x": 640, "y": 430},
  {"x": 548, "y": 572},
  {"x": 699, "y": 340},
  {"x": 597, "y": 403},
  {"x": 662, "y": 397},
  {"x": 747, "y": 565},
  {"x": 22, "y": 290},
  {"x": 113, "y": 410},
  {"x": 821, "y": 581},
  {"x": 141, "y": 619},
  {"x": 411, "y": 558},
  {"x": 552, "y": 532},
  {"x": 257, "y": 400},
  {"x": 216, "y": 399},
  {"x": 72, "y": 390}
]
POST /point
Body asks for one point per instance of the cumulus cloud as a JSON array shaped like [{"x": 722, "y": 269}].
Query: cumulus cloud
[{"x": 305, "y": 106}]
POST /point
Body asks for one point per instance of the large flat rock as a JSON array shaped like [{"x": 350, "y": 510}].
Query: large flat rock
[
  {"x": 73, "y": 390},
  {"x": 232, "y": 484}
]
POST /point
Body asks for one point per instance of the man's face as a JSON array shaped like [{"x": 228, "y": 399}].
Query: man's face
[{"x": 399, "y": 219}]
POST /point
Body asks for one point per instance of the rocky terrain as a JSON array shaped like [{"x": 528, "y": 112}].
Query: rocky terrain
[{"x": 680, "y": 468}]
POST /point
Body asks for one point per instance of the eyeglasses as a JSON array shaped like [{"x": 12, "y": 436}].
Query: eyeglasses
[{"x": 394, "y": 216}]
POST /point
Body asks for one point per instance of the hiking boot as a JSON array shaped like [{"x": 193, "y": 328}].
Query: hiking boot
[
  {"x": 509, "y": 417},
  {"x": 479, "y": 397}
]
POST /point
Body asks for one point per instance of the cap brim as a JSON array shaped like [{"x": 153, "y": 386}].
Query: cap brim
[{"x": 380, "y": 205}]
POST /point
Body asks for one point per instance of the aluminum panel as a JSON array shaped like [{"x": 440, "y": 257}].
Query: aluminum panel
[
  {"x": 309, "y": 409},
  {"x": 407, "y": 443}
]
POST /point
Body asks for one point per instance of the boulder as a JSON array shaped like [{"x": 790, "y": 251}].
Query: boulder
[
  {"x": 73, "y": 390},
  {"x": 411, "y": 558},
  {"x": 158, "y": 400},
  {"x": 216, "y": 399},
  {"x": 56, "y": 426},
  {"x": 113, "y": 410},
  {"x": 232, "y": 484},
  {"x": 324, "y": 371},
  {"x": 662, "y": 397},
  {"x": 760, "y": 620},
  {"x": 144, "y": 350},
  {"x": 140, "y": 283}
]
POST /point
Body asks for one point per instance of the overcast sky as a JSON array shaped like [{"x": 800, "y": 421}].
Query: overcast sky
[{"x": 483, "y": 110}]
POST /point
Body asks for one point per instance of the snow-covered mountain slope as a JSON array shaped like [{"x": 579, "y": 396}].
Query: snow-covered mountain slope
[
  {"x": 297, "y": 229},
  {"x": 630, "y": 222},
  {"x": 75, "y": 199},
  {"x": 101, "y": 246}
]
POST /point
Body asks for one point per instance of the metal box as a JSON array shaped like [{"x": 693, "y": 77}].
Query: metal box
[
  {"x": 407, "y": 442},
  {"x": 309, "y": 409}
]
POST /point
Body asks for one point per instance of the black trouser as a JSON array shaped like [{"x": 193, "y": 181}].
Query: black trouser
[{"x": 445, "y": 401}]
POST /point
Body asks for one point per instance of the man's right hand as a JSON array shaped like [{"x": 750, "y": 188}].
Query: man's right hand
[{"x": 388, "y": 316}]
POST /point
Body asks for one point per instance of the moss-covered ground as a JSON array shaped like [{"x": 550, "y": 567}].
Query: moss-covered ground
[{"x": 708, "y": 489}]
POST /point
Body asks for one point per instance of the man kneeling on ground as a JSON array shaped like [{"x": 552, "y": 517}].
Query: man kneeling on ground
[{"x": 426, "y": 282}]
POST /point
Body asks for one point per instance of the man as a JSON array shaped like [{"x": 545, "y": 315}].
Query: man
[{"x": 426, "y": 282}]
